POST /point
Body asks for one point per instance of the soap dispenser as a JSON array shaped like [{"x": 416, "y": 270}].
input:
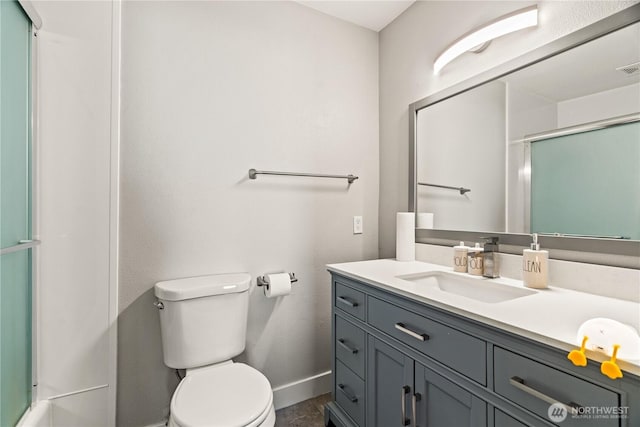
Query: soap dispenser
[
  {"x": 535, "y": 266},
  {"x": 491, "y": 262},
  {"x": 460, "y": 258},
  {"x": 475, "y": 260}
]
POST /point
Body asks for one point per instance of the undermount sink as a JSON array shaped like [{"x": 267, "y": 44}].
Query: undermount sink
[{"x": 484, "y": 290}]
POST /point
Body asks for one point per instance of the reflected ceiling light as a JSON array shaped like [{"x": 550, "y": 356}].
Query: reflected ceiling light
[{"x": 477, "y": 40}]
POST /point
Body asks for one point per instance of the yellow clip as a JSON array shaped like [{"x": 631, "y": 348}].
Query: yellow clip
[
  {"x": 610, "y": 368},
  {"x": 577, "y": 357}
]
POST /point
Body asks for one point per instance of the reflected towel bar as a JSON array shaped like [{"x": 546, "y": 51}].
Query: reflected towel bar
[
  {"x": 462, "y": 190},
  {"x": 253, "y": 175}
]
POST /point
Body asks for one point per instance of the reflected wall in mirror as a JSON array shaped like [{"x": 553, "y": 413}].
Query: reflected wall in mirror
[{"x": 552, "y": 148}]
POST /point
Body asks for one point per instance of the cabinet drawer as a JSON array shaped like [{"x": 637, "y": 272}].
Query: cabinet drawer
[
  {"x": 349, "y": 300},
  {"x": 462, "y": 352},
  {"x": 535, "y": 386},
  {"x": 350, "y": 345},
  {"x": 349, "y": 393}
]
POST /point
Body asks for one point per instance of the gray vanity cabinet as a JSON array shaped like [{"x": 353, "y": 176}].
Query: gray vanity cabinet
[
  {"x": 389, "y": 385},
  {"x": 441, "y": 403},
  {"x": 377, "y": 385},
  {"x": 399, "y": 362},
  {"x": 400, "y": 389}
]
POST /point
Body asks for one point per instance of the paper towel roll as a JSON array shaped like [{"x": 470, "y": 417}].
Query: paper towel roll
[
  {"x": 424, "y": 220},
  {"x": 279, "y": 284},
  {"x": 405, "y": 236}
]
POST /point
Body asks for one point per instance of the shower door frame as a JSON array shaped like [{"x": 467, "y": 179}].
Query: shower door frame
[{"x": 36, "y": 24}]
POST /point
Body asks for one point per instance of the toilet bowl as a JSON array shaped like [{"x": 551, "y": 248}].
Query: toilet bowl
[
  {"x": 223, "y": 395},
  {"x": 203, "y": 321}
]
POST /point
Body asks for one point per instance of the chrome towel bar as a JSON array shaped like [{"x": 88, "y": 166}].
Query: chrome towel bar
[
  {"x": 21, "y": 245},
  {"x": 462, "y": 190},
  {"x": 253, "y": 175}
]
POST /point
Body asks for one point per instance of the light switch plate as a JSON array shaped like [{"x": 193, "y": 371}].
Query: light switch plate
[{"x": 357, "y": 225}]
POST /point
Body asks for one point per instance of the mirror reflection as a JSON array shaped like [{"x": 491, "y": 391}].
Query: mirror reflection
[{"x": 552, "y": 148}]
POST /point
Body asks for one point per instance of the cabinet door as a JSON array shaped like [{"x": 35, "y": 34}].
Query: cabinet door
[
  {"x": 503, "y": 420},
  {"x": 389, "y": 386},
  {"x": 441, "y": 403}
]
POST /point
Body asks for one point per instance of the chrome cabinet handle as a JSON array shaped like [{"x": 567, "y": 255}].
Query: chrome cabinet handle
[
  {"x": 346, "y": 347},
  {"x": 404, "y": 420},
  {"x": 518, "y": 383},
  {"x": 414, "y": 399},
  {"x": 417, "y": 335},
  {"x": 347, "y": 302},
  {"x": 353, "y": 399}
]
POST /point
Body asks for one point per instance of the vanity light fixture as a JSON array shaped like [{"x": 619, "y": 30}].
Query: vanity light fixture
[{"x": 477, "y": 40}]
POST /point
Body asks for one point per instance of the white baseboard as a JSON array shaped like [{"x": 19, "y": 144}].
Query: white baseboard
[{"x": 295, "y": 392}]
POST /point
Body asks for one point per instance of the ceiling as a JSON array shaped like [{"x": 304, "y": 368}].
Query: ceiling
[
  {"x": 587, "y": 69},
  {"x": 371, "y": 14}
]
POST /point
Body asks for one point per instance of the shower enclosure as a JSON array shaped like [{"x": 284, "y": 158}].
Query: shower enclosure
[
  {"x": 586, "y": 181},
  {"x": 16, "y": 246}
]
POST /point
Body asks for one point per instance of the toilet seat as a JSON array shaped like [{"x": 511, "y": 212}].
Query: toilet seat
[{"x": 229, "y": 395}]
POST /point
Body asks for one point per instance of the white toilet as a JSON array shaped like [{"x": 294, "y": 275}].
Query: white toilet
[{"x": 204, "y": 323}]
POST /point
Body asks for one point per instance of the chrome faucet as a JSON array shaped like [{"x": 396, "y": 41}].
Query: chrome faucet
[{"x": 491, "y": 265}]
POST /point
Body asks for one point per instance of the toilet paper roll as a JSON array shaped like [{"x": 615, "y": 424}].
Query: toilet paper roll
[
  {"x": 279, "y": 285},
  {"x": 405, "y": 236},
  {"x": 424, "y": 220}
]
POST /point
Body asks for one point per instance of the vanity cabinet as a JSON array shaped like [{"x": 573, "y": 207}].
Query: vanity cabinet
[
  {"x": 389, "y": 385},
  {"x": 455, "y": 349},
  {"x": 402, "y": 390},
  {"x": 400, "y": 362},
  {"x": 533, "y": 385}
]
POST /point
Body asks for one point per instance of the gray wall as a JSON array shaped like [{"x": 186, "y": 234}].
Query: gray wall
[
  {"x": 470, "y": 156},
  {"x": 410, "y": 44},
  {"x": 209, "y": 90}
]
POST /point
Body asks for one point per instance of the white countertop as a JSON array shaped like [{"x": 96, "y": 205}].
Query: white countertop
[{"x": 551, "y": 316}]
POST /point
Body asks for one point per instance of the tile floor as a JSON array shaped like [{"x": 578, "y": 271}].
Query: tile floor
[{"x": 309, "y": 413}]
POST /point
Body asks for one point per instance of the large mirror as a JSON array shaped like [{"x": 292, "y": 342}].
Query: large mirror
[{"x": 550, "y": 148}]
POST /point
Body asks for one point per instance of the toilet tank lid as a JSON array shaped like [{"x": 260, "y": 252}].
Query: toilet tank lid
[{"x": 202, "y": 286}]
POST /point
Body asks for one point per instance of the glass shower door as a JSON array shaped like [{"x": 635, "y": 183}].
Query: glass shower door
[{"x": 15, "y": 213}]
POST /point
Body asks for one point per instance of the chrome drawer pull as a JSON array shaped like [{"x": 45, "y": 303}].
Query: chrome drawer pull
[
  {"x": 353, "y": 399},
  {"x": 414, "y": 399},
  {"x": 419, "y": 336},
  {"x": 518, "y": 383},
  {"x": 347, "y": 302},
  {"x": 346, "y": 347},
  {"x": 405, "y": 390}
]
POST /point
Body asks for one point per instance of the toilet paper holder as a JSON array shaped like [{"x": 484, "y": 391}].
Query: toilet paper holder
[{"x": 261, "y": 281}]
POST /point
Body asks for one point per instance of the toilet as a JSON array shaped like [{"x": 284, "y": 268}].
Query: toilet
[{"x": 203, "y": 321}]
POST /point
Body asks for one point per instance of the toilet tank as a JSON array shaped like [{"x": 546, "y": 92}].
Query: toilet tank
[{"x": 203, "y": 320}]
